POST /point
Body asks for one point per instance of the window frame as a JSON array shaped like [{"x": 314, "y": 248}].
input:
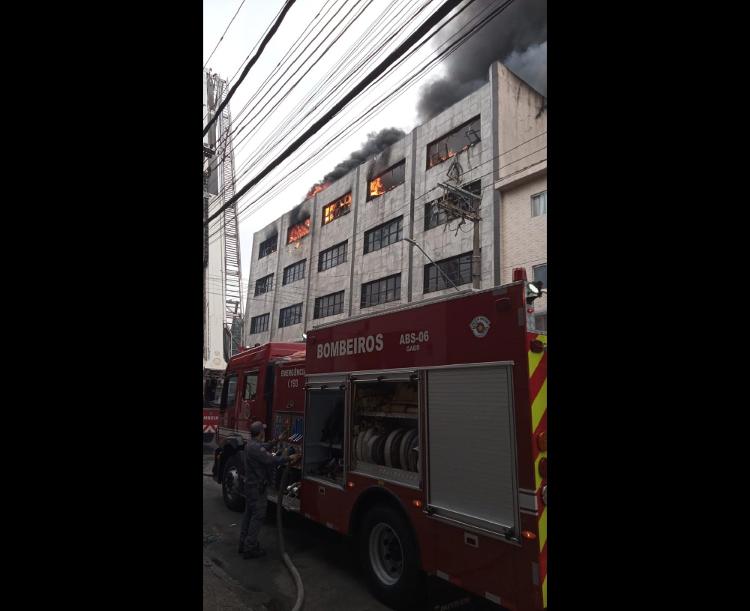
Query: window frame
[
  {"x": 531, "y": 199},
  {"x": 267, "y": 316},
  {"x": 322, "y": 256},
  {"x": 439, "y": 277},
  {"x": 262, "y": 254},
  {"x": 390, "y": 170},
  {"x": 283, "y": 311},
  {"x": 338, "y": 202},
  {"x": 318, "y": 302},
  {"x": 299, "y": 264},
  {"x": 428, "y": 205},
  {"x": 381, "y": 291},
  {"x": 399, "y": 234},
  {"x": 268, "y": 284},
  {"x": 447, "y": 135}
]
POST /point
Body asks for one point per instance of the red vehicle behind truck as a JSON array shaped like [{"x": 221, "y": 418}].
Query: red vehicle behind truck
[{"x": 423, "y": 435}]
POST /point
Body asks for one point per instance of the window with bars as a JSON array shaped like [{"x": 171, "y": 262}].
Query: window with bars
[
  {"x": 458, "y": 270},
  {"x": 454, "y": 142},
  {"x": 435, "y": 215},
  {"x": 267, "y": 246},
  {"x": 258, "y": 324},
  {"x": 384, "y": 235},
  {"x": 263, "y": 285},
  {"x": 540, "y": 273},
  {"x": 381, "y": 291},
  {"x": 539, "y": 204},
  {"x": 290, "y": 316},
  {"x": 390, "y": 179},
  {"x": 337, "y": 208},
  {"x": 293, "y": 272},
  {"x": 329, "y": 305},
  {"x": 331, "y": 257}
]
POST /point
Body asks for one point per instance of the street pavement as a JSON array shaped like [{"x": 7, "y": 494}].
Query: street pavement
[{"x": 325, "y": 559}]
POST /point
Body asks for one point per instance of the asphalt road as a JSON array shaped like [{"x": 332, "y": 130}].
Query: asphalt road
[{"x": 325, "y": 559}]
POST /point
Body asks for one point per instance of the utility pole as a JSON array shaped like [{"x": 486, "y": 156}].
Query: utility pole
[{"x": 465, "y": 204}]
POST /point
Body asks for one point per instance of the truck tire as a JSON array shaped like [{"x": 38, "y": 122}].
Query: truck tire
[
  {"x": 231, "y": 484},
  {"x": 388, "y": 554}
]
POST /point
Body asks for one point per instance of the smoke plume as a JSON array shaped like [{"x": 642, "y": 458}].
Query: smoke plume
[
  {"x": 376, "y": 143},
  {"x": 517, "y": 37}
]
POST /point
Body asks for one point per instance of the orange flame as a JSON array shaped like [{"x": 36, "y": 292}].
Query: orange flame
[
  {"x": 317, "y": 189},
  {"x": 376, "y": 187},
  {"x": 298, "y": 231}
]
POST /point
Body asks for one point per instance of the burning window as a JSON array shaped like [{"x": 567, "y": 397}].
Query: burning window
[
  {"x": 390, "y": 179},
  {"x": 298, "y": 231},
  {"x": 268, "y": 246},
  {"x": 338, "y": 208},
  {"x": 454, "y": 142}
]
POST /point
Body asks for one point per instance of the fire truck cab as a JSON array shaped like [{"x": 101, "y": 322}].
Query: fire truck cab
[{"x": 423, "y": 435}]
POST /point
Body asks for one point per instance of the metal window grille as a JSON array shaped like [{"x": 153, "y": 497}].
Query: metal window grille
[
  {"x": 267, "y": 246},
  {"x": 381, "y": 291},
  {"x": 258, "y": 324},
  {"x": 332, "y": 257},
  {"x": 337, "y": 208},
  {"x": 454, "y": 142},
  {"x": 263, "y": 285},
  {"x": 329, "y": 305},
  {"x": 294, "y": 272},
  {"x": 290, "y": 316},
  {"x": 458, "y": 269},
  {"x": 383, "y": 235}
]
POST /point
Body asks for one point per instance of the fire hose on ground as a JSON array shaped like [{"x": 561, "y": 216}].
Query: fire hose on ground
[{"x": 282, "y": 549}]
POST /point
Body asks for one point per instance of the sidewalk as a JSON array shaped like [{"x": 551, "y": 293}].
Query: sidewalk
[{"x": 222, "y": 593}]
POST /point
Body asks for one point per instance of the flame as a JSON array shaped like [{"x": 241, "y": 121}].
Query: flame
[
  {"x": 298, "y": 231},
  {"x": 317, "y": 189},
  {"x": 376, "y": 187},
  {"x": 337, "y": 208}
]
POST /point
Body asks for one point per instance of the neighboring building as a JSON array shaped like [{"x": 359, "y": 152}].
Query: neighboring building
[{"x": 342, "y": 252}]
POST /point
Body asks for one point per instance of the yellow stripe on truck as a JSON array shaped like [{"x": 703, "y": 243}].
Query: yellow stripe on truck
[{"x": 539, "y": 406}]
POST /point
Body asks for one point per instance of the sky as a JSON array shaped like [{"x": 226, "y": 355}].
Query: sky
[{"x": 401, "y": 112}]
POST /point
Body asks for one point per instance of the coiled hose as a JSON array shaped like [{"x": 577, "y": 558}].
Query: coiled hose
[{"x": 280, "y": 533}]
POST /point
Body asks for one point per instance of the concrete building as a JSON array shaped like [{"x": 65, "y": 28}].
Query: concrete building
[{"x": 342, "y": 252}]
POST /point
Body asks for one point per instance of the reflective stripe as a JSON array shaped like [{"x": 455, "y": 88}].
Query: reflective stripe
[
  {"x": 493, "y": 598},
  {"x": 443, "y": 575}
]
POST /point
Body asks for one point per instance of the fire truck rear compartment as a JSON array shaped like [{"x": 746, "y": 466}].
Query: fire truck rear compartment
[{"x": 472, "y": 454}]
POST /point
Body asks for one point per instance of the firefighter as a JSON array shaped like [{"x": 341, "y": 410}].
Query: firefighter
[{"x": 259, "y": 465}]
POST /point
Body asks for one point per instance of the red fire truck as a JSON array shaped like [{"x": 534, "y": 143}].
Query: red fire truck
[{"x": 423, "y": 435}]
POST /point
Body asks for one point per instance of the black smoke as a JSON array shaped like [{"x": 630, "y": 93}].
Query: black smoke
[
  {"x": 376, "y": 143},
  {"x": 517, "y": 37}
]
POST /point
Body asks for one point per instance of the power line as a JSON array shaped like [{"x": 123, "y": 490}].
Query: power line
[
  {"x": 251, "y": 63},
  {"x": 388, "y": 98},
  {"x": 222, "y": 36},
  {"x": 441, "y": 12}
]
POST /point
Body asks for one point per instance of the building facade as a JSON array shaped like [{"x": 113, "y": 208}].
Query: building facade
[{"x": 349, "y": 249}]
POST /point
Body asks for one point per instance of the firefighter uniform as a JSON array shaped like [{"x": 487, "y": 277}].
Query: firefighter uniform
[{"x": 259, "y": 465}]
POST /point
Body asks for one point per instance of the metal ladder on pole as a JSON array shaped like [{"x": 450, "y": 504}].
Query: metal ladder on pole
[{"x": 232, "y": 267}]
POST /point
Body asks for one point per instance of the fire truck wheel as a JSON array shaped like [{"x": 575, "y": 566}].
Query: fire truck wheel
[
  {"x": 230, "y": 485},
  {"x": 388, "y": 553}
]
